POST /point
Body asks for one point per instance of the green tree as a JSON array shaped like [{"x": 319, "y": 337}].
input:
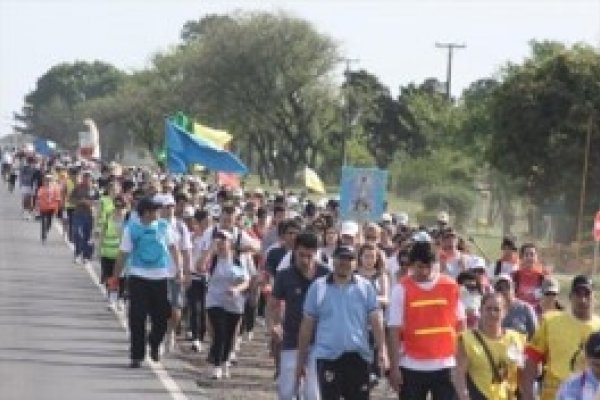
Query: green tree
[
  {"x": 50, "y": 109},
  {"x": 543, "y": 111},
  {"x": 266, "y": 78},
  {"x": 385, "y": 124}
]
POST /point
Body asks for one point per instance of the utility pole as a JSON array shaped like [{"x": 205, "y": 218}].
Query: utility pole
[
  {"x": 450, "y": 47},
  {"x": 347, "y": 122},
  {"x": 582, "y": 194}
]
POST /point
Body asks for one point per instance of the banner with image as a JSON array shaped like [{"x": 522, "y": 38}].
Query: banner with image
[{"x": 362, "y": 194}]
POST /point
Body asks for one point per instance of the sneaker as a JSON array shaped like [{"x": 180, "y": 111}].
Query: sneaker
[
  {"x": 170, "y": 342},
  {"x": 226, "y": 372},
  {"x": 197, "y": 346},
  {"x": 232, "y": 358},
  {"x": 78, "y": 261},
  {"x": 217, "y": 373},
  {"x": 155, "y": 354},
  {"x": 135, "y": 364}
]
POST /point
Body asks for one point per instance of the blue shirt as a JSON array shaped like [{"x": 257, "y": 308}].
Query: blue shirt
[
  {"x": 341, "y": 313},
  {"x": 581, "y": 386}
]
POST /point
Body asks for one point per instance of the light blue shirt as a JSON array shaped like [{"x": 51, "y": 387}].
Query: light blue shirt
[
  {"x": 581, "y": 386},
  {"x": 341, "y": 313}
]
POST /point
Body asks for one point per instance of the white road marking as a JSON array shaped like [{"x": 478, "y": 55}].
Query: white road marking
[{"x": 159, "y": 370}]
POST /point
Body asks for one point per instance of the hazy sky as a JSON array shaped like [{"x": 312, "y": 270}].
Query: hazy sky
[{"x": 393, "y": 39}]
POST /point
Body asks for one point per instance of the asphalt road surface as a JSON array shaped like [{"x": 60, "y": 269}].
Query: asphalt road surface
[{"x": 57, "y": 338}]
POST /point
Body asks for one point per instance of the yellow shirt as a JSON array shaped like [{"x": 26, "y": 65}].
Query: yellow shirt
[
  {"x": 559, "y": 340},
  {"x": 507, "y": 353}
]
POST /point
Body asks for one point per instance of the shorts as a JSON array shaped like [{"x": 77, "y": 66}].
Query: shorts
[{"x": 175, "y": 293}]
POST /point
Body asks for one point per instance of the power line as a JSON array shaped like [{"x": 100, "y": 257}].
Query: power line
[{"x": 450, "y": 47}]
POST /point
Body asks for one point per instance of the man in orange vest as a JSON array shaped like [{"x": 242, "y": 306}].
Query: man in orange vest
[
  {"x": 425, "y": 317},
  {"x": 48, "y": 202}
]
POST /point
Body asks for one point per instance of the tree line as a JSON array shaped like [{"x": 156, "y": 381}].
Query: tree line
[{"x": 271, "y": 80}]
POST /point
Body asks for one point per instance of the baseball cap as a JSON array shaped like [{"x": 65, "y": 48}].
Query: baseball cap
[
  {"x": 550, "y": 285},
  {"x": 581, "y": 281},
  {"x": 164, "y": 199},
  {"x": 349, "y": 228},
  {"x": 386, "y": 217},
  {"x": 443, "y": 217},
  {"x": 188, "y": 212},
  {"x": 223, "y": 234},
  {"x": 146, "y": 204},
  {"x": 344, "y": 252},
  {"x": 403, "y": 218},
  {"x": 592, "y": 345},
  {"x": 503, "y": 278},
  {"x": 476, "y": 262},
  {"x": 215, "y": 211}
]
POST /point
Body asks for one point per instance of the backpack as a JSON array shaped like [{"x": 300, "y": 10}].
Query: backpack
[{"x": 150, "y": 250}]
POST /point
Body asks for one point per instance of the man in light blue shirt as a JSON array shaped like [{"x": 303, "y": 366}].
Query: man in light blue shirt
[
  {"x": 585, "y": 385},
  {"x": 338, "y": 310}
]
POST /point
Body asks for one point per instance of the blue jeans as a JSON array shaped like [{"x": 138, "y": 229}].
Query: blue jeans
[{"x": 82, "y": 235}]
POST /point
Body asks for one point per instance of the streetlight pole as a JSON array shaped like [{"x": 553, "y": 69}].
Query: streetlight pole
[
  {"x": 346, "y": 133},
  {"x": 450, "y": 47}
]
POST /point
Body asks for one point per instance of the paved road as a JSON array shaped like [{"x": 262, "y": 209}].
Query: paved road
[{"x": 57, "y": 339}]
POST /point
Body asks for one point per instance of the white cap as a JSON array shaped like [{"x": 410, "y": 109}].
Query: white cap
[
  {"x": 215, "y": 210},
  {"x": 238, "y": 192},
  {"x": 386, "y": 217},
  {"x": 403, "y": 218},
  {"x": 225, "y": 233},
  {"x": 322, "y": 203},
  {"x": 188, "y": 212},
  {"x": 421, "y": 236},
  {"x": 292, "y": 201},
  {"x": 443, "y": 217},
  {"x": 476, "y": 262},
  {"x": 164, "y": 199},
  {"x": 349, "y": 228}
]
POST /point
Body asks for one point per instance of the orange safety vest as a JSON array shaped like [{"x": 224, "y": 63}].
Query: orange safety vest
[
  {"x": 430, "y": 320},
  {"x": 49, "y": 198}
]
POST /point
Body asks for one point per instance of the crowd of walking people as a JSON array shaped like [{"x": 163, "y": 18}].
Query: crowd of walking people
[{"x": 348, "y": 305}]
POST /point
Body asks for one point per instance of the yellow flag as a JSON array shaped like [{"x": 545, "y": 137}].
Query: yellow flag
[
  {"x": 217, "y": 137},
  {"x": 312, "y": 181}
]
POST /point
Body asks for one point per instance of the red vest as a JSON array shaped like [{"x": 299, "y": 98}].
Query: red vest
[{"x": 430, "y": 319}]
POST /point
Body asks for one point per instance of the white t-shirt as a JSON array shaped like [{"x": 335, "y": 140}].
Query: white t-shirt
[
  {"x": 7, "y": 158},
  {"x": 396, "y": 319},
  {"x": 183, "y": 240},
  {"x": 148, "y": 273}
]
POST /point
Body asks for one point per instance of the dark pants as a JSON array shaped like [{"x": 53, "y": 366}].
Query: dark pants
[
  {"x": 147, "y": 297},
  {"x": 419, "y": 384},
  {"x": 82, "y": 235},
  {"x": 196, "y": 304},
  {"x": 107, "y": 266},
  {"x": 224, "y": 325},
  {"x": 46, "y": 223},
  {"x": 346, "y": 377},
  {"x": 69, "y": 217},
  {"x": 249, "y": 317}
]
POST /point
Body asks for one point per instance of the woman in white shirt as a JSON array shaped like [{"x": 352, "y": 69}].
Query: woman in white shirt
[{"x": 224, "y": 299}]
